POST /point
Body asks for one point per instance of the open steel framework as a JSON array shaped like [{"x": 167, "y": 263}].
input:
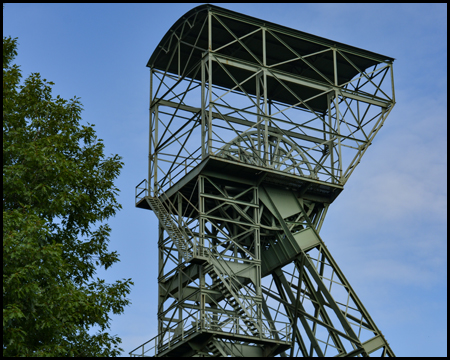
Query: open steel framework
[{"x": 254, "y": 130}]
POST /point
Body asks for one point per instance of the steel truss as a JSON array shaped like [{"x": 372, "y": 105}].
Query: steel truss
[{"x": 254, "y": 130}]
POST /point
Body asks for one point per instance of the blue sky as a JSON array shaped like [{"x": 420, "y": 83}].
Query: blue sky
[{"x": 387, "y": 230}]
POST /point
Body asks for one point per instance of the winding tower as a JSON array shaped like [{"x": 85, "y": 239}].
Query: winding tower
[{"x": 254, "y": 130}]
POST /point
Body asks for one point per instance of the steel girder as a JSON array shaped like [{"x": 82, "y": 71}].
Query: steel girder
[{"x": 247, "y": 150}]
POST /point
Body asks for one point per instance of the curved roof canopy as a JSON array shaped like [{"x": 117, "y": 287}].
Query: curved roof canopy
[{"x": 283, "y": 44}]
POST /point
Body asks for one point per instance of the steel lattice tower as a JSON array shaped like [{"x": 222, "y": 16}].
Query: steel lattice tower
[{"x": 254, "y": 130}]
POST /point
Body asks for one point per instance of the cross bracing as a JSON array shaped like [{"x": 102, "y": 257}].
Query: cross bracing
[{"x": 254, "y": 131}]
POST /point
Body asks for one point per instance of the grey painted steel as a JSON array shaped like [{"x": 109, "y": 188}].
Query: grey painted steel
[{"x": 254, "y": 130}]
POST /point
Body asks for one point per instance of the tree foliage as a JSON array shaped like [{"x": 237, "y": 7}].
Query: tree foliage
[{"x": 58, "y": 189}]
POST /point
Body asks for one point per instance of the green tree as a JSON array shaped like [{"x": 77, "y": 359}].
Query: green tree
[{"x": 58, "y": 189}]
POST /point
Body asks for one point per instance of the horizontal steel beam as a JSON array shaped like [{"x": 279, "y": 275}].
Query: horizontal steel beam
[
  {"x": 236, "y": 120},
  {"x": 228, "y": 200}
]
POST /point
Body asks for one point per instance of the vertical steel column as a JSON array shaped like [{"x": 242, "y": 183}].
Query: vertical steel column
[
  {"x": 203, "y": 106},
  {"x": 392, "y": 81},
  {"x": 331, "y": 141},
  {"x": 257, "y": 241},
  {"x": 266, "y": 121},
  {"x": 150, "y": 133},
  {"x": 180, "y": 258},
  {"x": 201, "y": 246},
  {"x": 336, "y": 105},
  {"x": 155, "y": 155},
  {"x": 258, "y": 112},
  {"x": 161, "y": 263},
  {"x": 210, "y": 83},
  {"x": 201, "y": 210}
]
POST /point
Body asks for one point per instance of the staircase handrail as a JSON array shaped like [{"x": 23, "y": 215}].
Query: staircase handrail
[
  {"x": 241, "y": 294},
  {"x": 178, "y": 226},
  {"x": 245, "y": 297},
  {"x": 161, "y": 192}
]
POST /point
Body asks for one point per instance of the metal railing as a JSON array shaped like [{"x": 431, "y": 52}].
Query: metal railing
[
  {"x": 235, "y": 325},
  {"x": 139, "y": 190},
  {"x": 212, "y": 321},
  {"x": 180, "y": 330}
]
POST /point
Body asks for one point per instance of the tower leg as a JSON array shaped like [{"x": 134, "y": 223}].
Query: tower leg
[{"x": 327, "y": 317}]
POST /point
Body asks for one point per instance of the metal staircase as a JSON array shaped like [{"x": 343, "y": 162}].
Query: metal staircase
[
  {"x": 230, "y": 288},
  {"x": 232, "y": 292},
  {"x": 215, "y": 348},
  {"x": 181, "y": 240}
]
